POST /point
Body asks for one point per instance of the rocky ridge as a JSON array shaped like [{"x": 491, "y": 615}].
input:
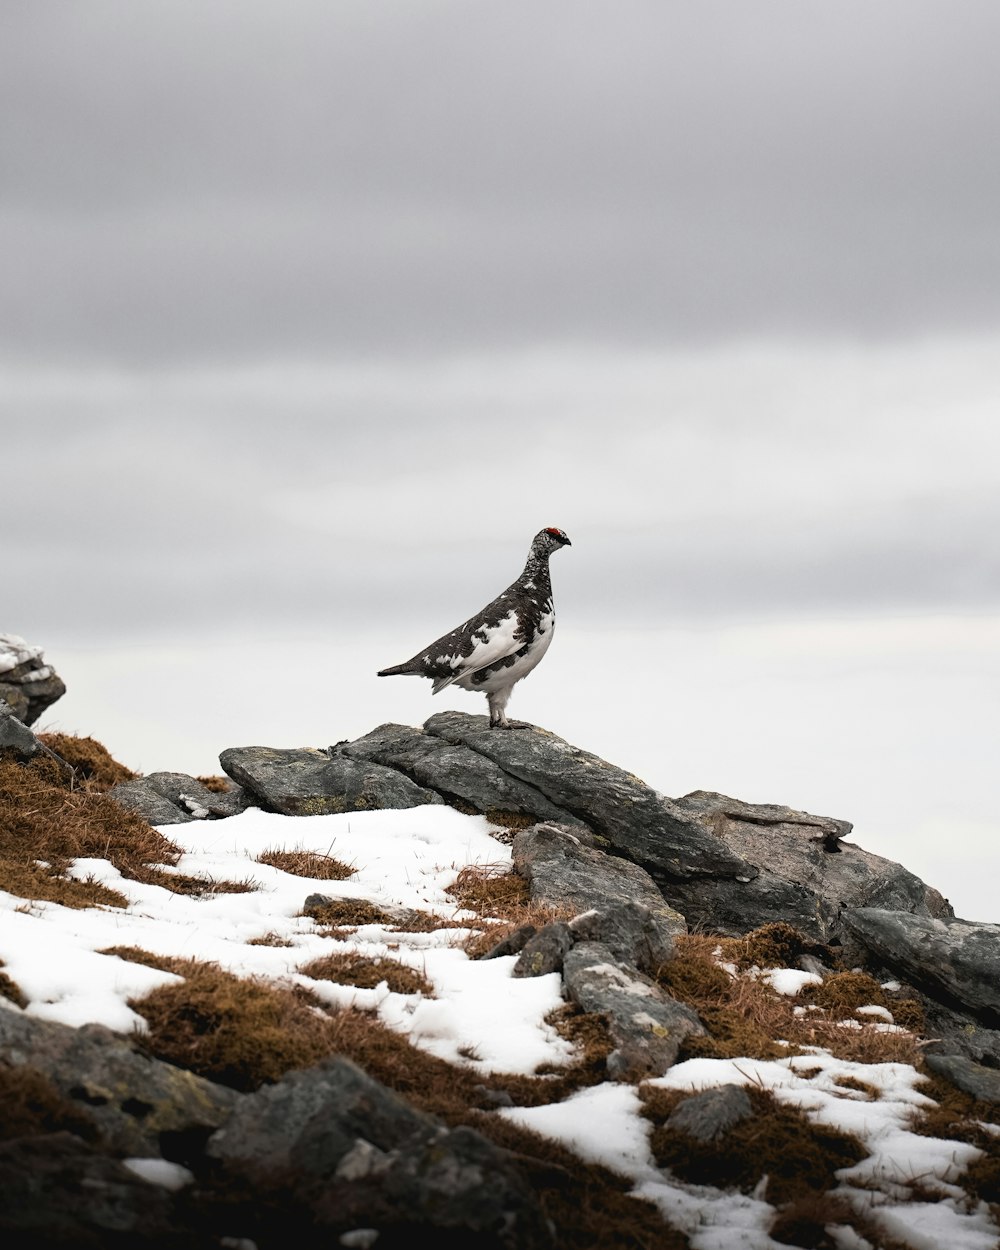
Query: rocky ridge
[{"x": 636, "y": 868}]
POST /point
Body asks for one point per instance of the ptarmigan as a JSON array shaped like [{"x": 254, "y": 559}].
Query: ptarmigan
[{"x": 502, "y": 643}]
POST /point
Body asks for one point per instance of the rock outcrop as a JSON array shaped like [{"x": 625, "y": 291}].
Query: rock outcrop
[{"x": 27, "y": 684}]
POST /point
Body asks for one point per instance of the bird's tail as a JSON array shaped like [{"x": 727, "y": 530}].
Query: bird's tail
[{"x": 398, "y": 670}]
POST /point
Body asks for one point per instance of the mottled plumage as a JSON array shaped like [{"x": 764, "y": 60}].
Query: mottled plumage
[{"x": 502, "y": 643}]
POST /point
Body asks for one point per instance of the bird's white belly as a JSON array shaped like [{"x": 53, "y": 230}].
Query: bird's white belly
[{"x": 504, "y": 678}]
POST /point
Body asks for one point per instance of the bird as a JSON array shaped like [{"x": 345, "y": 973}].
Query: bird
[{"x": 500, "y": 645}]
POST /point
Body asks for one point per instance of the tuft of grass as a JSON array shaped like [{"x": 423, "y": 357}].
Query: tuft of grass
[
  {"x": 48, "y": 883},
  {"x": 500, "y": 902},
  {"x": 182, "y": 883},
  {"x": 241, "y": 1033},
  {"x": 217, "y": 785},
  {"x": 351, "y": 969},
  {"x": 302, "y": 863},
  {"x": 137, "y": 955},
  {"x": 30, "y": 1105},
  {"x": 90, "y": 760},
  {"x": 489, "y": 890},
  {"x": 340, "y": 913},
  {"x": 10, "y": 990},
  {"x": 778, "y": 1142},
  {"x": 47, "y": 821},
  {"x": 841, "y": 994},
  {"x": 774, "y": 945},
  {"x": 269, "y": 939},
  {"x": 744, "y": 1016}
]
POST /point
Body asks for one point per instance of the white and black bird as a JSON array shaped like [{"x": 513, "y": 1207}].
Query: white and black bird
[{"x": 501, "y": 644}]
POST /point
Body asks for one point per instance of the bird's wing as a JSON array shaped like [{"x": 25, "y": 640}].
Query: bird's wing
[{"x": 492, "y": 642}]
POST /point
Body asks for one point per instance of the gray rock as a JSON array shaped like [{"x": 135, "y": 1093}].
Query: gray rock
[
  {"x": 635, "y": 820},
  {"x": 15, "y": 736},
  {"x": 563, "y": 871},
  {"x": 359, "y": 1156},
  {"x": 544, "y": 952},
  {"x": 311, "y": 782},
  {"x": 136, "y": 1103},
  {"x": 972, "y": 1078},
  {"x": 953, "y": 960},
  {"x": 27, "y": 683},
  {"x": 187, "y": 797},
  {"x": 804, "y": 874},
  {"x": 55, "y": 1190},
  {"x": 312, "y": 1118},
  {"x": 452, "y": 770},
  {"x": 17, "y": 739},
  {"x": 137, "y": 795},
  {"x": 646, "y": 1025},
  {"x": 711, "y": 1114},
  {"x": 632, "y": 931},
  {"x": 513, "y": 943}
]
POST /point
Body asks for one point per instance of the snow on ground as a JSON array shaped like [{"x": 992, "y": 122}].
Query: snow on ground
[{"x": 406, "y": 859}]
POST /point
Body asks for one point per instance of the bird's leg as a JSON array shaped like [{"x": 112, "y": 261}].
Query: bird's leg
[{"x": 498, "y": 704}]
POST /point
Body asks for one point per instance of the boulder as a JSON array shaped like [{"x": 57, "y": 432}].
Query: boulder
[
  {"x": 139, "y": 1105},
  {"x": 646, "y": 1025},
  {"x": 711, "y": 1114},
  {"x": 955, "y": 961},
  {"x": 173, "y": 798},
  {"x": 356, "y": 1154},
  {"x": 312, "y": 782},
  {"x": 631, "y": 818},
  {"x": 805, "y": 875},
  {"x": 27, "y": 683},
  {"x": 564, "y": 869},
  {"x": 453, "y": 770}
]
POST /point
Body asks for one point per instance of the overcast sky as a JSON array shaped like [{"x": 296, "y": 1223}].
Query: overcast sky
[
  {"x": 321, "y": 308},
  {"x": 313, "y": 313}
]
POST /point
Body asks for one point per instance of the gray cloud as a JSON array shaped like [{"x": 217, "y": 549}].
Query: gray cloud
[{"x": 220, "y": 180}]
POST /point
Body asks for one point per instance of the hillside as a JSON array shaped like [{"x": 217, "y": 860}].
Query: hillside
[{"x": 483, "y": 985}]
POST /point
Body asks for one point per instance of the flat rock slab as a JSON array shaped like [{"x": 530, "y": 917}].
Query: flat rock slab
[
  {"x": 452, "y": 769},
  {"x": 311, "y": 782},
  {"x": 958, "y": 960},
  {"x": 634, "y": 819}
]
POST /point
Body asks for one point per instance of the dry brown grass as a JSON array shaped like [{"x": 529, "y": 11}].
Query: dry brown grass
[
  {"x": 241, "y": 1033},
  {"x": 744, "y": 1016},
  {"x": 347, "y": 913},
  {"x": 500, "y": 902},
  {"x": 302, "y": 863},
  {"x": 89, "y": 759},
  {"x": 10, "y": 989},
  {"x": 351, "y": 969},
  {"x": 778, "y": 1142},
  {"x": 196, "y": 887},
  {"x": 269, "y": 939},
  {"x": 47, "y": 820},
  {"x": 217, "y": 785}
]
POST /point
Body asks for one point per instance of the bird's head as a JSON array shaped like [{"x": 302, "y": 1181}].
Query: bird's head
[{"x": 548, "y": 540}]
